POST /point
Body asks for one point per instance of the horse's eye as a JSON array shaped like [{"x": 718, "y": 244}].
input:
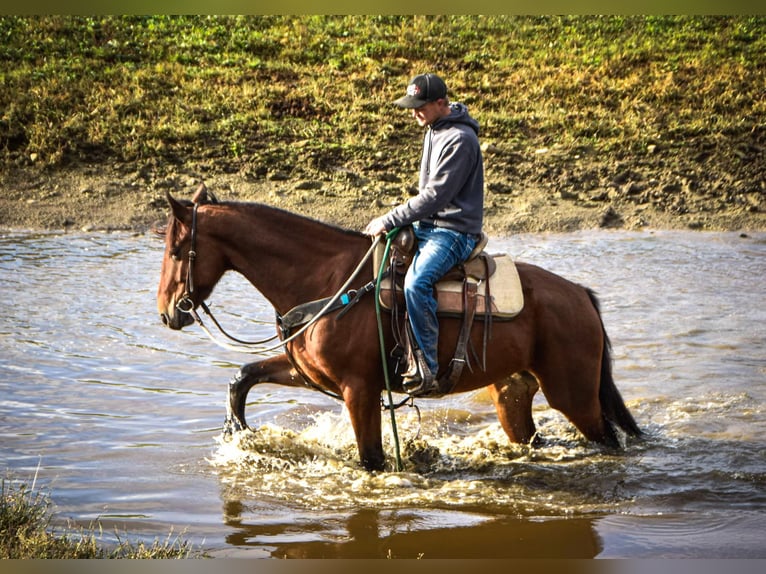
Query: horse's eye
[{"x": 174, "y": 254}]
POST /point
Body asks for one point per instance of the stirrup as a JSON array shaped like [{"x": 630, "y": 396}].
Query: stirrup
[
  {"x": 418, "y": 386},
  {"x": 419, "y": 381}
]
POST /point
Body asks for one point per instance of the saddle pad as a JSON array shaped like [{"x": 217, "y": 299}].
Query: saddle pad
[{"x": 507, "y": 298}]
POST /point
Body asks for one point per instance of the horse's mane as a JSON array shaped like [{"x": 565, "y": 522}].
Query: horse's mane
[
  {"x": 278, "y": 211},
  {"x": 162, "y": 230}
]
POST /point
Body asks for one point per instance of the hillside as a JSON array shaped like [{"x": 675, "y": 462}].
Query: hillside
[{"x": 586, "y": 121}]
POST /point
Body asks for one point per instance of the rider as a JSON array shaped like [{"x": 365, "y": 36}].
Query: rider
[{"x": 447, "y": 212}]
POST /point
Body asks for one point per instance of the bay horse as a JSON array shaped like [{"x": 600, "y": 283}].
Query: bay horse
[{"x": 557, "y": 343}]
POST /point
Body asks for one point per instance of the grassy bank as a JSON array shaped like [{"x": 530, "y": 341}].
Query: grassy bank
[
  {"x": 661, "y": 114},
  {"x": 248, "y": 89},
  {"x": 26, "y": 532}
]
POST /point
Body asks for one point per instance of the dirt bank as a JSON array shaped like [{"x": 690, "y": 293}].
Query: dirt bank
[{"x": 706, "y": 188}]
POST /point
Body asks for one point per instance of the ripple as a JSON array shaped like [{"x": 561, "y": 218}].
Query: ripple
[{"x": 687, "y": 535}]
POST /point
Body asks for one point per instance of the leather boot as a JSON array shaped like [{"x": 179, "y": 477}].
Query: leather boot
[{"x": 419, "y": 381}]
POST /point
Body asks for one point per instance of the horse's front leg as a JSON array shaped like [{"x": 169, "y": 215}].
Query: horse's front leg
[
  {"x": 363, "y": 404},
  {"x": 277, "y": 370}
]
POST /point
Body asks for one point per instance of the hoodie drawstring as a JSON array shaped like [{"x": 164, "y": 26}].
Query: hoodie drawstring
[{"x": 430, "y": 145}]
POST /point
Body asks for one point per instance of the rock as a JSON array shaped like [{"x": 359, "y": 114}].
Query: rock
[
  {"x": 309, "y": 185},
  {"x": 610, "y": 218},
  {"x": 278, "y": 176},
  {"x": 498, "y": 187}
]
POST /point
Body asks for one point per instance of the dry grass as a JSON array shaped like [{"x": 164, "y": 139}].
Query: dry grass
[{"x": 26, "y": 532}]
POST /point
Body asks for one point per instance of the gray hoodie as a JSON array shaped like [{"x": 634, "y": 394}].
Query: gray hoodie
[{"x": 451, "y": 177}]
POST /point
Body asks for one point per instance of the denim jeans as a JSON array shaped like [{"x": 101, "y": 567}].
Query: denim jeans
[{"x": 438, "y": 251}]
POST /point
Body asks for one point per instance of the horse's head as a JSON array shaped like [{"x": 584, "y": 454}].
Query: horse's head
[{"x": 191, "y": 265}]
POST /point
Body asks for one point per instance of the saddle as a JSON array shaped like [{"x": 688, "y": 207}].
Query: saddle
[
  {"x": 498, "y": 295},
  {"x": 484, "y": 287}
]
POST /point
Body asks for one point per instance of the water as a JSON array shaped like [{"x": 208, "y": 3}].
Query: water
[{"x": 119, "y": 418}]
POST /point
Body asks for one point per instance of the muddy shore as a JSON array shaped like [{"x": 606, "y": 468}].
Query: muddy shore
[{"x": 546, "y": 190}]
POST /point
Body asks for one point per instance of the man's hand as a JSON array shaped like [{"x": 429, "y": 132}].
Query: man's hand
[{"x": 375, "y": 227}]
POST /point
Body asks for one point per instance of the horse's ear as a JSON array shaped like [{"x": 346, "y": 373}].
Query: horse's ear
[
  {"x": 203, "y": 196},
  {"x": 180, "y": 211}
]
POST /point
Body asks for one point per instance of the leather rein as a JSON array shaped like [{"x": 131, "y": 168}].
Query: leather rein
[
  {"x": 186, "y": 304},
  {"x": 343, "y": 299},
  {"x": 320, "y": 308}
]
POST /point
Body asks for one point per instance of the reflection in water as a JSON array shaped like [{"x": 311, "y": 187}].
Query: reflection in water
[
  {"x": 346, "y": 512},
  {"x": 375, "y": 533}
]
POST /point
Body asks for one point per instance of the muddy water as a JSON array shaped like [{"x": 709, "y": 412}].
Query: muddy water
[{"x": 119, "y": 418}]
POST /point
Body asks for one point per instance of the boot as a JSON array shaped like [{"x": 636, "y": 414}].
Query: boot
[{"x": 418, "y": 380}]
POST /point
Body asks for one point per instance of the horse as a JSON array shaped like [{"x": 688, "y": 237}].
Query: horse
[{"x": 557, "y": 343}]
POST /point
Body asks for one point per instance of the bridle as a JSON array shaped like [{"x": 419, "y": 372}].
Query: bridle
[{"x": 185, "y": 303}]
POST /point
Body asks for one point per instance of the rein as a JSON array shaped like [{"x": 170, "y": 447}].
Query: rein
[
  {"x": 186, "y": 305},
  {"x": 391, "y": 407}
]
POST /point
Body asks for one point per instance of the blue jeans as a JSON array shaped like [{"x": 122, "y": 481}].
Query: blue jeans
[{"x": 438, "y": 251}]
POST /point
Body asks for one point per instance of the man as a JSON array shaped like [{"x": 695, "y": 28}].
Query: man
[{"x": 446, "y": 214}]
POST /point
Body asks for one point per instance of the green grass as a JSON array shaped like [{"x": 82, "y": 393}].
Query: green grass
[
  {"x": 26, "y": 532},
  {"x": 313, "y": 93}
]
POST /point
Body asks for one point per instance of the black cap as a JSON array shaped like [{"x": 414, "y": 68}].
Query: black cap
[{"x": 421, "y": 90}]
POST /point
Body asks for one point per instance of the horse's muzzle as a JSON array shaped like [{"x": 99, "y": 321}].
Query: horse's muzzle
[{"x": 177, "y": 320}]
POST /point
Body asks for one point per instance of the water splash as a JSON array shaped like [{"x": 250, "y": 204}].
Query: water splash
[{"x": 317, "y": 468}]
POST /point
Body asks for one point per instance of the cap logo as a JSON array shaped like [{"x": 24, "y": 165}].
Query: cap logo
[{"x": 413, "y": 90}]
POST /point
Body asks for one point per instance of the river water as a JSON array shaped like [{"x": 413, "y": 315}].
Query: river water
[{"x": 119, "y": 419}]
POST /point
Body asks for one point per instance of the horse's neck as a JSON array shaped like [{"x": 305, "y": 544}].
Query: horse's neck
[{"x": 291, "y": 259}]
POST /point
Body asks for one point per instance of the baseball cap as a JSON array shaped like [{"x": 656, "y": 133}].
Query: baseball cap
[{"x": 422, "y": 89}]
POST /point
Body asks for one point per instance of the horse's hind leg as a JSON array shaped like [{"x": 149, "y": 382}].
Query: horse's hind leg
[
  {"x": 276, "y": 370},
  {"x": 573, "y": 391},
  {"x": 513, "y": 403}
]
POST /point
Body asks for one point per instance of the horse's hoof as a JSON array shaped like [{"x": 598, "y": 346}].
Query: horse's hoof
[
  {"x": 231, "y": 426},
  {"x": 537, "y": 441}
]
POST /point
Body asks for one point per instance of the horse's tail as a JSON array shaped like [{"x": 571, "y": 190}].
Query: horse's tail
[{"x": 612, "y": 404}]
